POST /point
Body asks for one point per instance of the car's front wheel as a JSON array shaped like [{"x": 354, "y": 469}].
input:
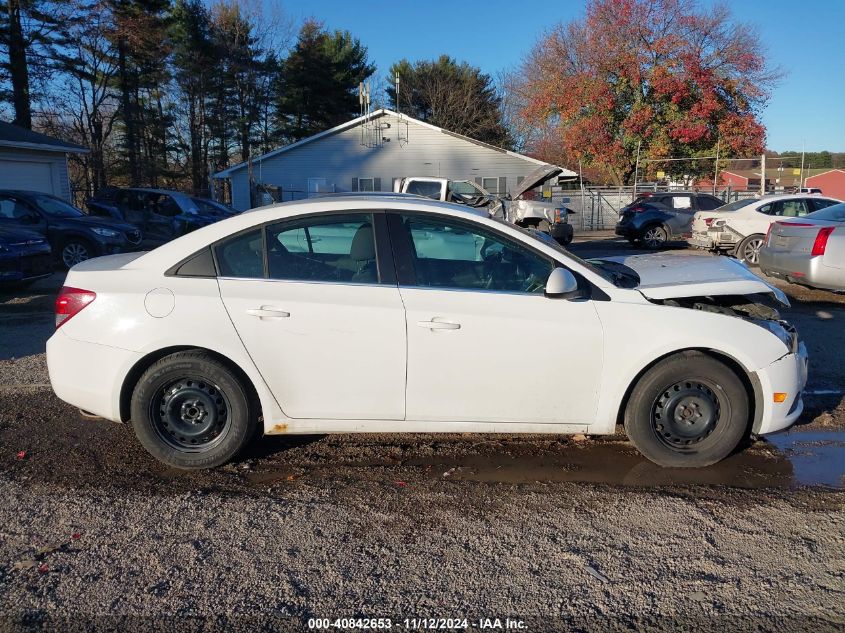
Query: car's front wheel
[
  {"x": 190, "y": 411},
  {"x": 75, "y": 251},
  {"x": 688, "y": 410}
]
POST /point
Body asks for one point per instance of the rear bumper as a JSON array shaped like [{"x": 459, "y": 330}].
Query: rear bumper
[
  {"x": 786, "y": 375},
  {"x": 801, "y": 268},
  {"x": 87, "y": 375}
]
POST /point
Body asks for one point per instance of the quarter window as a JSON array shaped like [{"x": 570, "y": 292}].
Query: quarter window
[
  {"x": 242, "y": 256},
  {"x": 450, "y": 254},
  {"x": 335, "y": 248}
]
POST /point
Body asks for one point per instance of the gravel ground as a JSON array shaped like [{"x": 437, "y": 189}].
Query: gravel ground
[{"x": 562, "y": 534}]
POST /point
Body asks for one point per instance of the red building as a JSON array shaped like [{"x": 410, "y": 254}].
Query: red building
[{"x": 832, "y": 183}]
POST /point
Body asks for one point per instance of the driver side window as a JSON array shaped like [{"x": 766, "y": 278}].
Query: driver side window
[{"x": 451, "y": 254}]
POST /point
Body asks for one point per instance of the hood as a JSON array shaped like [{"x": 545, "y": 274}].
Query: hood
[
  {"x": 674, "y": 277},
  {"x": 535, "y": 179},
  {"x": 92, "y": 221}
]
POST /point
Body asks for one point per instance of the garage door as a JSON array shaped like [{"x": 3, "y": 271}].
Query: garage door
[{"x": 27, "y": 176}]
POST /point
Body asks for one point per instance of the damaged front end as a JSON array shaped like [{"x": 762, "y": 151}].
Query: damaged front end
[{"x": 760, "y": 308}]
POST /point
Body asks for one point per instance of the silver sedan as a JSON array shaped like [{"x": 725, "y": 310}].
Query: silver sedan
[{"x": 809, "y": 250}]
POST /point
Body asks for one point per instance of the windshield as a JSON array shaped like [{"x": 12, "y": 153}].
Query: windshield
[
  {"x": 617, "y": 274},
  {"x": 56, "y": 208},
  {"x": 737, "y": 204},
  {"x": 836, "y": 213}
]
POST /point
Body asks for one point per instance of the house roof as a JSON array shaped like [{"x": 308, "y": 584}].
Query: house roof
[
  {"x": 821, "y": 172},
  {"x": 16, "y": 136},
  {"x": 374, "y": 115}
]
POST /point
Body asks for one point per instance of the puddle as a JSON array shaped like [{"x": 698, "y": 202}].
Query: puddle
[
  {"x": 786, "y": 460},
  {"x": 817, "y": 457}
]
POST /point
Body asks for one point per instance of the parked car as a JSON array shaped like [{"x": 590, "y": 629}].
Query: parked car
[
  {"x": 809, "y": 251},
  {"x": 25, "y": 257},
  {"x": 516, "y": 206},
  {"x": 214, "y": 208},
  {"x": 73, "y": 235},
  {"x": 739, "y": 228},
  {"x": 654, "y": 219},
  {"x": 372, "y": 314},
  {"x": 160, "y": 214}
]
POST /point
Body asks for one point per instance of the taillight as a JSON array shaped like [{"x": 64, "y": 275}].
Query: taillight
[
  {"x": 769, "y": 233},
  {"x": 70, "y": 301},
  {"x": 638, "y": 209},
  {"x": 708, "y": 221},
  {"x": 820, "y": 244}
]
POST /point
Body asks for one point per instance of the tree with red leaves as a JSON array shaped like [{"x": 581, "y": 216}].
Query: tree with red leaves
[{"x": 666, "y": 75}]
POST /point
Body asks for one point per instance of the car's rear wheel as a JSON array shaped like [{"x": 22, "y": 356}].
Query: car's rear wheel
[
  {"x": 75, "y": 251},
  {"x": 655, "y": 237},
  {"x": 748, "y": 250},
  {"x": 688, "y": 410},
  {"x": 190, "y": 411}
]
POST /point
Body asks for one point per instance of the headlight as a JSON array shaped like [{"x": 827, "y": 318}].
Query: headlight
[
  {"x": 105, "y": 232},
  {"x": 787, "y": 337}
]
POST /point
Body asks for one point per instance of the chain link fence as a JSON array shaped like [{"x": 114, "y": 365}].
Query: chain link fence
[{"x": 597, "y": 208}]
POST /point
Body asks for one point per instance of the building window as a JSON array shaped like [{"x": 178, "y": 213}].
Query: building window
[
  {"x": 490, "y": 184},
  {"x": 366, "y": 184}
]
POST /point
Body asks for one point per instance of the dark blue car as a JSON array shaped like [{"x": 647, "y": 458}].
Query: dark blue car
[
  {"x": 161, "y": 215},
  {"x": 25, "y": 257},
  {"x": 656, "y": 218}
]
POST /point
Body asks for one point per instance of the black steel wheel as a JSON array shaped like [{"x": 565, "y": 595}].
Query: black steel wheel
[
  {"x": 191, "y": 414},
  {"x": 189, "y": 410},
  {"x": 688, "y": 410}
]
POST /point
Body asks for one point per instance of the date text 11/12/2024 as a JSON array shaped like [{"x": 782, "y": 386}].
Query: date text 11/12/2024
[{"x": 418, "y": 624}]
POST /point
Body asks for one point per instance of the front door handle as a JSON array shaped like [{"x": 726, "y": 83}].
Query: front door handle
[
  {"x": 438, "y": 324},
  {"x": 268, "y": 312}
]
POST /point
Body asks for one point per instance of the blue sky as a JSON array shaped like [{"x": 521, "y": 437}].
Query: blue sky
[{"x": 803, "y": 37}]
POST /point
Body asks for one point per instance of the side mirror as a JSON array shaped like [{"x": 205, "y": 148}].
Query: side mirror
[{"x": 562, "y": 284}]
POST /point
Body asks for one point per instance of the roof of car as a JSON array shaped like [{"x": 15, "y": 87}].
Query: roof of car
[{"x": 167, "y": 192}]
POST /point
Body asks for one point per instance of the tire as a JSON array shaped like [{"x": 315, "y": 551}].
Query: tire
[
  {"x": 748, "y": 250},
  {"x": 655, "y": 237},
  {"x": 544, "y": 226},
  {"x": 689, "y": 410},
  {"x": 74, "y": 250},
  {"x": 190, "y": 411},
  {"x": 566, "y": 241}
]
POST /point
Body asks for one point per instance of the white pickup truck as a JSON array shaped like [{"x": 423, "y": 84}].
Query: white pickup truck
[{"x": 548, "y": 217}]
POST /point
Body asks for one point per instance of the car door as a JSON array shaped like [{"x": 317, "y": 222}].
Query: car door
[
  {"x": 16, "y": 213},
  {"x": 161, "y": 211},
  {"x": 484, "y": 343},
  {"x": 680, "y": 214},
  {"x": 320, "y": 315}
]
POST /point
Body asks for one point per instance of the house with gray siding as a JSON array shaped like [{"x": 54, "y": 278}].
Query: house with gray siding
[
  {"x": 30, "y": 161},
  {"x": 369, "y": 153}
]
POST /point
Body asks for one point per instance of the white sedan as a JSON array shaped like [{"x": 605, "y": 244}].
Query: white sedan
[
  {"x": 739, "y": 227},
  {"x": 395, "y": 313}
]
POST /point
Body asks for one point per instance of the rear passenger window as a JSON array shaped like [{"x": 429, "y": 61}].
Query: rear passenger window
[
  {"x": 242, "y": 256},
  {"x": 708, "y": 204},
  {"x": 337, "y": 248}
]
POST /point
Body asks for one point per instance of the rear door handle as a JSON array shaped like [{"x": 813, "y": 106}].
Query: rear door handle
[
  {"x": 437, "y": 324},
  {"x": 267, "y": 312}
]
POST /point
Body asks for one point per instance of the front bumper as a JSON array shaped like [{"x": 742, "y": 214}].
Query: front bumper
[
  {"x": 27, "y": 265},
  {"x": 786, "y": 375}
]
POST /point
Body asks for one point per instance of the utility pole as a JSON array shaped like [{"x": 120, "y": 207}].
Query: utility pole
[
  {"x": 716, "y": 171},
  {"x": 801, "y": 176},
  {"x": 763, "y": 176},
  {"x": 636, "y": 171}
]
